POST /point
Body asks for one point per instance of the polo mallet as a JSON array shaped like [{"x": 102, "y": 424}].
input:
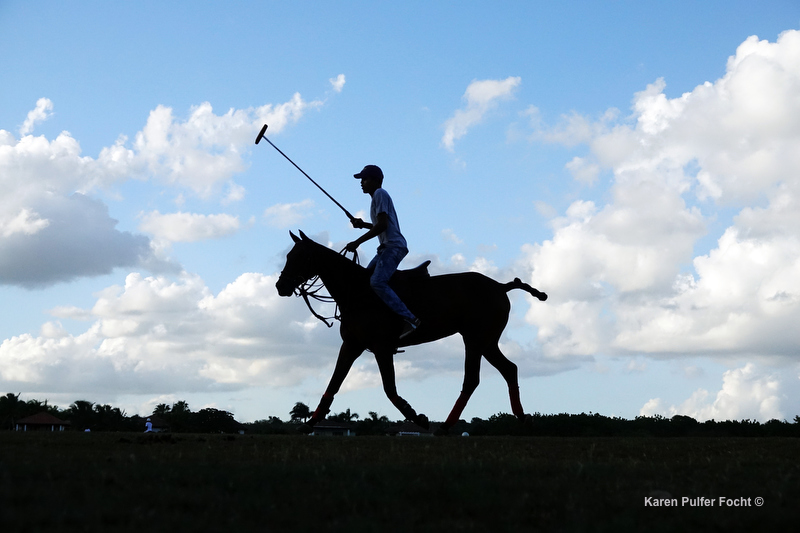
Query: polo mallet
[{"x": 258, "y": 140}]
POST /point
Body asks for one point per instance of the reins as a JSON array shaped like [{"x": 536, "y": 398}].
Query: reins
[{"x": 311, "y": 289}]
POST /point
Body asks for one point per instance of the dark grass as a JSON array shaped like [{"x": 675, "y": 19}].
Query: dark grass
[{"x": 185, "y": 482}]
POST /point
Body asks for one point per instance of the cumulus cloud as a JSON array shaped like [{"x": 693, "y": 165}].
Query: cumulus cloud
[
  {"x": 337, "y": 83},
  {"x": 188, "y": 227},
  {"x": 481, "y": 97},
  {"x": 623, "y": 276},
  {"x": 583, "y": 171},
  {"x": 156, "y": 335},
  {"x": 52, "y": 230},
  {"x": 42, "y": 111},
  {"x": 571, "y": 130},
  {"x": 80, "y": 239},
  {"x": 205, "y": 150},
  {"x": 26, "y": 222},
  {"x": 747, "y": 393},
  {"x": 450, "y": 236},
  {"x": 288, "y": 215}
]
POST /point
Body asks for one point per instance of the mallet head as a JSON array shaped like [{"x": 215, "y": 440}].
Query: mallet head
[{"x": 261, "y": 134}]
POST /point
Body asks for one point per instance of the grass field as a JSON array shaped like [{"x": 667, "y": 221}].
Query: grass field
[{"x": 186, "y": 482}]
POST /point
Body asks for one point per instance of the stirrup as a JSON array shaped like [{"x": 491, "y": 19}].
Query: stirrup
[{"x": 410, "y": 327}]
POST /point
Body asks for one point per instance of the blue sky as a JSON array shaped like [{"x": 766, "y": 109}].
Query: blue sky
[{"x": 635, "y": 160}]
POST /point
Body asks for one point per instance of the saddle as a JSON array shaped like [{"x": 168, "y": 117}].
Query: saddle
[{"x": 412, "y": 274}]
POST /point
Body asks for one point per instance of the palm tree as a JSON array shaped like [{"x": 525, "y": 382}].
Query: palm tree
[
  {"x": 299, "y": 412},
  {"x": 37, "y": 406},
  {"x": 180, "y": 407},
  {"x": 83, "y": 415},
  {"x": 345, "y": 416},
  {"x": 11, "y": 409},
  {"x": 373, "y": 417}
]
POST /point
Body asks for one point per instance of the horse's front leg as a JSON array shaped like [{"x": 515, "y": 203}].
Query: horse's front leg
[
  {"x": 347, "y": 356},
  {"x": 385, "y": 362}
]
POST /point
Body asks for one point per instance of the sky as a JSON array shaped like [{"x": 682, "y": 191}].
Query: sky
[{"x": 639, "y": 161}]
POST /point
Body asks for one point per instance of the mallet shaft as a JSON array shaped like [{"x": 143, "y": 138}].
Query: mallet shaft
[{"x": 261, "y": 136}]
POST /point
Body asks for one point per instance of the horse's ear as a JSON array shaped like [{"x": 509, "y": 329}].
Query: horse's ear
[
  {"x": 295, "y": 238},
  {"x": 303, "y": 235}
]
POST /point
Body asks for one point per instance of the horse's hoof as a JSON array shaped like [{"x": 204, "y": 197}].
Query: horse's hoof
[{"x": 422, "y": 421}]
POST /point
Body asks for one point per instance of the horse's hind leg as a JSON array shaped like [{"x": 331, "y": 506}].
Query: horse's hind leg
[
  {"x": 508, "y": 370},
  {"x": 385, "y": 362},
  {"x": 472, "y": 377}
]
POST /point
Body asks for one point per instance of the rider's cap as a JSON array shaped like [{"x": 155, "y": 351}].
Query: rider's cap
[{"x": 370, "y": 172}]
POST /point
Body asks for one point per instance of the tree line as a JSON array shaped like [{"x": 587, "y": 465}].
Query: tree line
[{"x": 83, "y": 414}]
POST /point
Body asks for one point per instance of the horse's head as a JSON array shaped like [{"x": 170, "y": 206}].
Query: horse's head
[{"x": 299, "y": 265}]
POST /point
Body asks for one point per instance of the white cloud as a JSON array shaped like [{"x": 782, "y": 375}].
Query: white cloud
[
  {"x": 746, "y": 393},
  {"x": 449, "y": 235},
  {"x": 206, "y": 149},
  {"x": 337, "y": 83},
  {"x": 481, "y": 97},
  {"x": 154, "y": 335},
  {"x": 79, "y": 240},
  {"x": 617, "y": 273},
  {"x": 26, "y": 222},
  {"x": 572, "y": 129},
  {"x": 41, "y": 113},
  {"x": 51, "y": 230},
  {"x": 236, "y": 193},
  {"x": 583, "y": 171},
  {"x": 188, "y": 227},
  {"x": 288, "y": 215}
]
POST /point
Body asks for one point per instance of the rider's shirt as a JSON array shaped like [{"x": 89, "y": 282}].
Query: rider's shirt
[{"x": 382, "y": 203}]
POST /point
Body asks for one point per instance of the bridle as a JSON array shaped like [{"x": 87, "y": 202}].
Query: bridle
[{"x": 310, "y": 289}]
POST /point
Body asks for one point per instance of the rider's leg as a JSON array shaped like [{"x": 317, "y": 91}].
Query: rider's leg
[{"x": 385, "y": 264}]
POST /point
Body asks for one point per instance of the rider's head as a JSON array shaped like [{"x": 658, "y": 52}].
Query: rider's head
[{"x": 370, "y": 172}]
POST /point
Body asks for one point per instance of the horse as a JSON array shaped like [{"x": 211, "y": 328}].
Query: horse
[{"x": 468, "y": 303}]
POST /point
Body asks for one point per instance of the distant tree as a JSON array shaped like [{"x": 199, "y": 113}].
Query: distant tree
[
  {"x": 37, "y": 406},
  {"x": 180, "y": 407},
  {"x": 179, "y": 416},
  {"x": 345, "y": 416},
  {"x": 82, "y": 414},
  {"x": 373, "y": 425},
  {"x": 373, "y": 417},
  {"x": 271, "y": 426},
  {"x": 161, "y": 409},
  {"x": 210, "y": 420},
  {"x": 109, "y": 418},
  {"x": 11, "y": 409},
  {"x": 299, "y": 413}
]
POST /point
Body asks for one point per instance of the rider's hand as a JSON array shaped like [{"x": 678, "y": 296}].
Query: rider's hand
[
  {"x": 358, "y": 223},
  {"x": 351, "y": 246}
]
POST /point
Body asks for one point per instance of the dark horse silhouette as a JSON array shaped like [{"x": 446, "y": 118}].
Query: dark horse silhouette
[{"x": 468, "y": 303}]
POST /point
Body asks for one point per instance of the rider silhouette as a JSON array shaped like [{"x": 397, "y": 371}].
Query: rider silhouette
[{"x": 392, "y": 248}]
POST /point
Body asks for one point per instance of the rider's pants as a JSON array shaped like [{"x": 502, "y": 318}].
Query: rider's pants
[{"x": 384, "y": 265}]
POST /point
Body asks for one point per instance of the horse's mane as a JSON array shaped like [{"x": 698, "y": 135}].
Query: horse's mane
[{"x": 333, "y": 256}]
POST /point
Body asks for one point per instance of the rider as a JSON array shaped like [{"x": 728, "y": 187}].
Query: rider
[{"x": 392, "y": 247}]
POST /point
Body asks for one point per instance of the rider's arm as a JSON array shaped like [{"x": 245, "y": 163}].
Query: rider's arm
[{"x": 376, "y": 229}]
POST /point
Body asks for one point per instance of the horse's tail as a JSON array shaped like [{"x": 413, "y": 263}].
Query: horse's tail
[{"x": 519, "y": 284}]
